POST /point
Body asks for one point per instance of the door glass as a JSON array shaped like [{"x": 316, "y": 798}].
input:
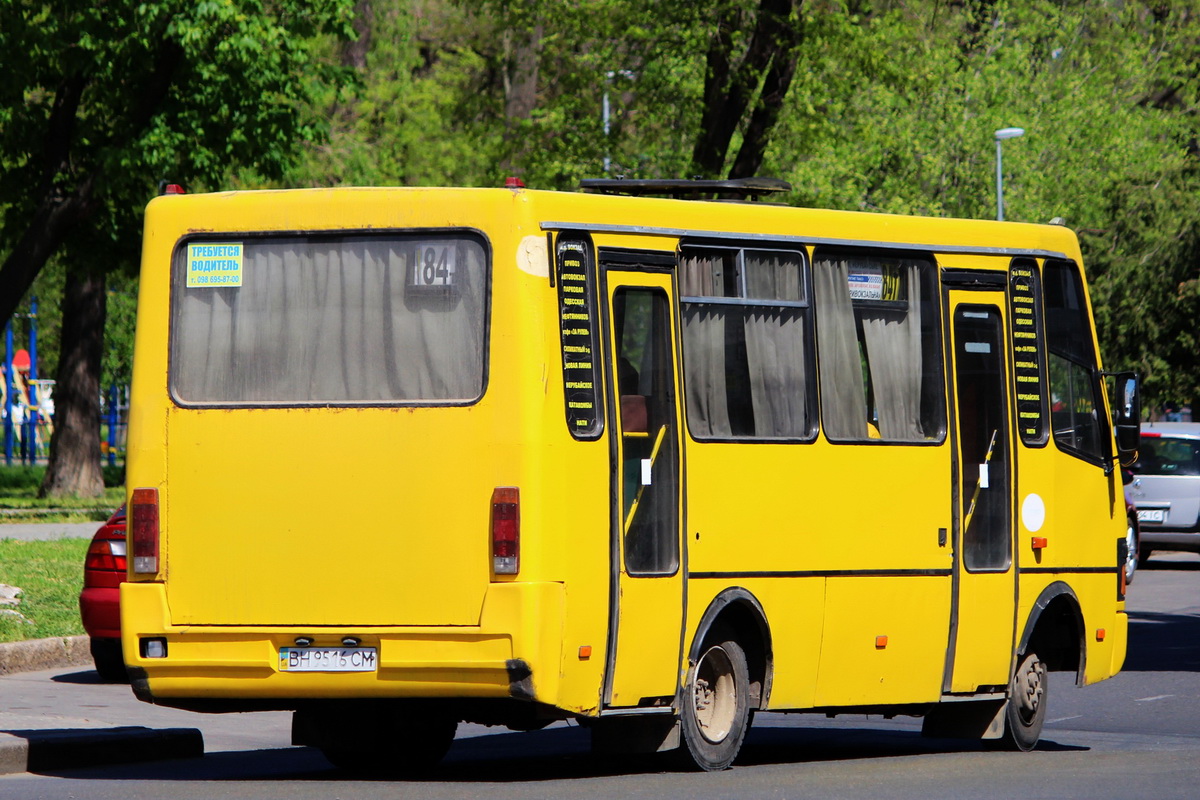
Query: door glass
[
  {"x": 983, "y": 437},
  {"x": 649, "y": 457}
]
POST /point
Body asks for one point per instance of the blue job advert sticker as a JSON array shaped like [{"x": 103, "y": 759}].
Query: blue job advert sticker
[{"x": 214, "y": 264}]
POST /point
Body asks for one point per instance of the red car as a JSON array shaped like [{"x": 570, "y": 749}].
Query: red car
[{"x": 99, "y": 602}]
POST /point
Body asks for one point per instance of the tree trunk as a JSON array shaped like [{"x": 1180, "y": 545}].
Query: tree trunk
[
  {"x": 520, "y": 94},
  {"x": 770, "y": 100},
  {"x": 765, "y": 67},
  {"x": 354, "y": 52},
  {"x": 74, "y": 467}
]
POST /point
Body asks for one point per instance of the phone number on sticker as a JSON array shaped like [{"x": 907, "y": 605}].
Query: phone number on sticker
[{"x": 216, "y": 280}]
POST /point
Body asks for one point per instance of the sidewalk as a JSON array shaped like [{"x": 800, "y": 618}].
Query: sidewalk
[
  {"x": 66, "y": 718},
  {"x": 55, "y": 713},
  {"x": 30, "y": 531}
]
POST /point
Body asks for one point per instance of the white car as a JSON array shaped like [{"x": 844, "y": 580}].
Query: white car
[{"x": 1166, "y": 487}]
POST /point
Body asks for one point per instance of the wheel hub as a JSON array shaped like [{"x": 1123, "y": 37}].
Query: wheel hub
[
  {"x": 714, "y": 695},
  {"x": 1030, "y": 688}
]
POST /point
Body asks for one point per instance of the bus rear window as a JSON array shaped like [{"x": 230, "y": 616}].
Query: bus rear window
[{"x": 329, "y": 320}]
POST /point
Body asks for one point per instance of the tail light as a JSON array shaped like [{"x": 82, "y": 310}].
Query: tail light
[
  {"x": 143, "y": 531},
  {"x": 105, "y": 555},
  {"x": 506, "y": 530}
]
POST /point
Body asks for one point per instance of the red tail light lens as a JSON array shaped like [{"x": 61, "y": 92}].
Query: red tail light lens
[
  {"x": 506, "y": 530},
  {"x": 143, "y": 531},
  {"x": 106, "y": 555}
]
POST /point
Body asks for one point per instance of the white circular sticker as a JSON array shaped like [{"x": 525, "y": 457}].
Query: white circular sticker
[{"x": 1033, "y": 513}]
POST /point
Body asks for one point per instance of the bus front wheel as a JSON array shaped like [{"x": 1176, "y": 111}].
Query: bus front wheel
[
  {"x": 1025, "y": 712},
  {"x": 716, "y": 707}
]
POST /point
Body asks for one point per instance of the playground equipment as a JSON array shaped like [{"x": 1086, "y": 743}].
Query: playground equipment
[
  {"x": 23, "y": 420},
  {"x": 28, "y": 408}
]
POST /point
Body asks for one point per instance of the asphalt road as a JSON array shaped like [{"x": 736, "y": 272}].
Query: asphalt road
[{"x": 1136, "y": 735}]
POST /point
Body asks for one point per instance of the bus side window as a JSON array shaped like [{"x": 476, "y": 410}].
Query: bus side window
[
  {"x": 1075, "y": 405},
  {"x": 633, "y": 404},
  {"x": 747, "y": 343},
  {"x": 879, "y": 347}
]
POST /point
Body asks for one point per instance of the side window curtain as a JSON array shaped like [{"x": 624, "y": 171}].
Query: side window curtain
[
  {"x": 879, "y": 341},
  {"x": 746, "y": 339},
  {"x": 843, "y": 390},
  {"x": 1077, "y": 413},
  {"x": 702, "y": 276}
]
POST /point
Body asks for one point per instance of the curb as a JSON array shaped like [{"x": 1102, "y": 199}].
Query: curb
[
  {"x": 41, "y": 751},
  {"x": 38, "y": 654}
]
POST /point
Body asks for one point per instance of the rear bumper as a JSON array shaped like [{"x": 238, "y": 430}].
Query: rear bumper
[
  {"x": 100, "y": 610},
  {"x": 512, "y": 653}
]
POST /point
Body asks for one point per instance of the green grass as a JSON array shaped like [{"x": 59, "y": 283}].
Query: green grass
[
  {"x": 50, "y": 575},
  {"x": 19, "y": 501}
]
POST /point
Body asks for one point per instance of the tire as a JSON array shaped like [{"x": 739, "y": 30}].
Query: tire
[
  {"x": 1131, "y": 543},
  {"x": 1025, "y": 711},
  {"x": 109, "y": 660},
  {"x": 716, "y": 710},
  {"x": 397, "y": 747}
]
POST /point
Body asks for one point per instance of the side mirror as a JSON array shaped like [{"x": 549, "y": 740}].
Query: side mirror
[{"x": 1129, "y": 416}]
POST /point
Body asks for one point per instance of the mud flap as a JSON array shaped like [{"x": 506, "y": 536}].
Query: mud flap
[
  {"x": 973, "y": 719},
  {"x": 625, "y": 735}
]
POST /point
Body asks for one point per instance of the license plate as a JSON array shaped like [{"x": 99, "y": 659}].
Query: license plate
[
  {"x": 328, "y": 659},
  {"x": 1152, "y": 515}
]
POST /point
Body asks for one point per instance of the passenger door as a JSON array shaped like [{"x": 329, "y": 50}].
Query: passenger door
[
  {"x": 983, "y": 617},
  {"x": 644, "y": 659}
]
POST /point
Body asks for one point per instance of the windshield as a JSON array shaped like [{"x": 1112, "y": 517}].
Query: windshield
[{"x": 1162, "y": 455}]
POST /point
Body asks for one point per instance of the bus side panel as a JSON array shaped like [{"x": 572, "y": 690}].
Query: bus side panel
[
  {"x": 884, "y": 640},
  {"x": 1082, "y": 522},
  {"x": 868, "y": 518}
]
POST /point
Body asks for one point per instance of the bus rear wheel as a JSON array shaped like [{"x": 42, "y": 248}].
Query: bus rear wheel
[
  {"x": 716, "y": 709},
  {"x": 1025, "y": 712}
]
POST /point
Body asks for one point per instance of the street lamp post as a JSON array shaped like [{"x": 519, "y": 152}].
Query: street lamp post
[
  {"x": 1001, "y": 135},
  {"x": 606, "y": 110}
]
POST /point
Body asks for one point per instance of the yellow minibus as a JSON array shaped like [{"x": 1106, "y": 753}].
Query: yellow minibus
[{"x": 405, "y": 457}]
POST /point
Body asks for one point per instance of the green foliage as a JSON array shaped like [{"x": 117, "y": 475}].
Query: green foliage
[
  {"x": 892, "y": 108},
  {"x": 170, "y": 90},
  {"x": 50, "y": 576}
]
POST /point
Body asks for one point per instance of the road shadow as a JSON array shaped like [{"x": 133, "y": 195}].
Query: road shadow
[
  {"x": 1163, "y": 642},
  {"x": 1155, "y": 564},
  {"x": 85, "y": 677},
  {"x": 557, "y": 754}
]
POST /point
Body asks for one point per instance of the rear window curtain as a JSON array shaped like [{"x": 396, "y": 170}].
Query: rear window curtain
[{"x": 335, "y": 321}]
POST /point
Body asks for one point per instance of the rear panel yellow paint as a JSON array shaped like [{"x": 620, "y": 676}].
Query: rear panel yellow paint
[{"x": 373, "y": 522}]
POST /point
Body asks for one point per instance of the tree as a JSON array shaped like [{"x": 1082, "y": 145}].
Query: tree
[
  {"x": 751, "y": 78},
  {"x": 895, "y": 113},
  {"x": 98, "y": 104}
]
